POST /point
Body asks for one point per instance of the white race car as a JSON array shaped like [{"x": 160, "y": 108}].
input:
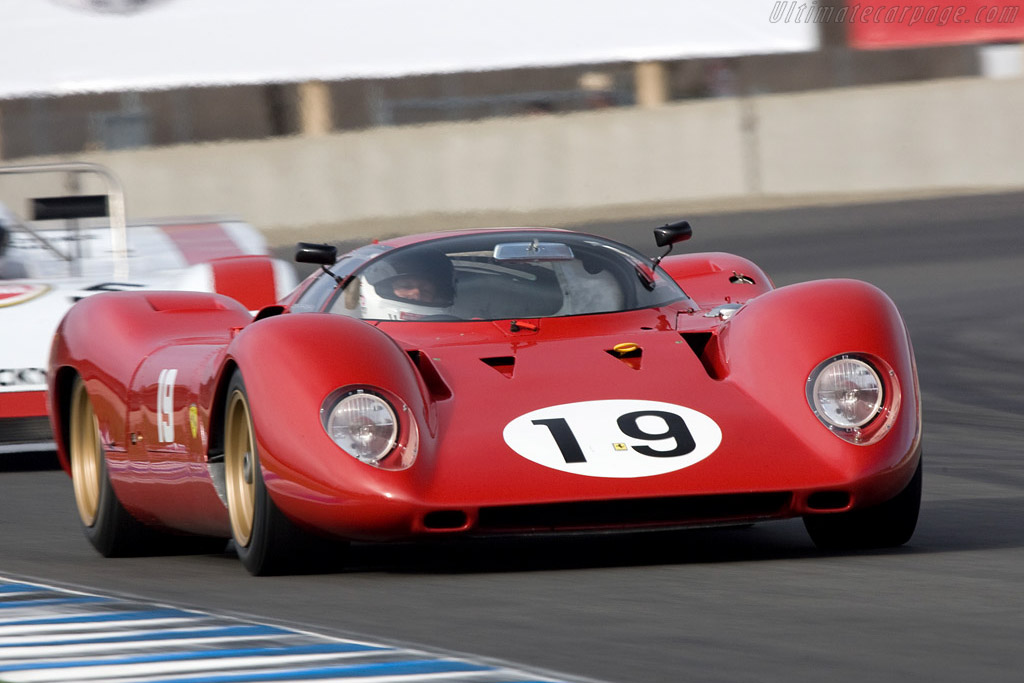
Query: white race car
[{"x": 73, "y": 246}]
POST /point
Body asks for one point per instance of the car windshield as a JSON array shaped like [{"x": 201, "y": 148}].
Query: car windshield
[{"x": 504, "y": 275}]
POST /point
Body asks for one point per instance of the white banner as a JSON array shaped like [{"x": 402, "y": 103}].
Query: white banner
[{"x": 65, "y": 46}]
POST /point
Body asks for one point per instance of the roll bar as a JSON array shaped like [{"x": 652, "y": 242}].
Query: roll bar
[{"x": 115, "y": 207}]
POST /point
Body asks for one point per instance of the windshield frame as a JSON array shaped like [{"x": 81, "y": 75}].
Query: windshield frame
[{"x": 644, "y": 286}]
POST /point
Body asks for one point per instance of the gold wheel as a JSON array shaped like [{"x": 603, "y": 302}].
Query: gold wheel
[
  {"x": 86, "y": 455},
  {"x": 240, "y": 467}
]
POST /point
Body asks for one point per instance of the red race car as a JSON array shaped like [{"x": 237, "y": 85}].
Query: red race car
[{"x": 489, "y": 382}]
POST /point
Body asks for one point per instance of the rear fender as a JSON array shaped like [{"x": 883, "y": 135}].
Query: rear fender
[
  {"x": 715, "y": 278},
  {"x": 105, "y": 337}
]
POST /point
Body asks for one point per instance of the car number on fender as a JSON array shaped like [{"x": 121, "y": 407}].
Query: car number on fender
[{"x": 614, "y": 438}]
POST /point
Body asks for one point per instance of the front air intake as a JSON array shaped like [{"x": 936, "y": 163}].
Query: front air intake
[
  {"x": 634, "y": 513},
  {"x": 445, "y": 520},
  {"x": 828, "y": 500}
]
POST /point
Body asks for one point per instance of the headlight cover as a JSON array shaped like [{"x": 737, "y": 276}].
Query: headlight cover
[
  {"x": 852, "y": 398},
  {"x": 365, "y": 425}
]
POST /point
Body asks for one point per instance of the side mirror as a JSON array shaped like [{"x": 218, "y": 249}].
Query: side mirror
[
  {"x": 670, "y": 234},
  {"x": 320, "y": 254},
  {"x": 323, "y": 255},
  {"x": 673, "y": 233}
]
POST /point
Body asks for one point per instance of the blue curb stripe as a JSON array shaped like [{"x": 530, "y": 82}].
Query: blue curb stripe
[
  {"x": 408, "y": 668},
  {"x": 75, "y": 635},
  {"x": 324, "y": 648}
]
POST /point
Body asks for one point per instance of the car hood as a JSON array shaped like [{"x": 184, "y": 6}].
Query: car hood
[{"x": 603, "y": 406}]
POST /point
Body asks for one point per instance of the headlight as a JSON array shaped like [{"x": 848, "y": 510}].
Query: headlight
[
  {"x": 847, "y": 394},
  {"x": 362, "y": 424},
  {"x": 857, "y": 396},
  {"x": 372, "y": 425}
]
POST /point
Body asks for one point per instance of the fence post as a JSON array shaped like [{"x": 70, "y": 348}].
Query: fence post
[
  {"x": 315, "y": 115},
  {"x": 651, "y": 84}
]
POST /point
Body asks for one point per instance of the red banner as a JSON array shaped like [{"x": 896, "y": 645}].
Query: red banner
[{"x": 878, "y": 25}]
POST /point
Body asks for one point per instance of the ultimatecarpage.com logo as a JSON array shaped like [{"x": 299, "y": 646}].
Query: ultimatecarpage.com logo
[{"x": 937, "y": 14}]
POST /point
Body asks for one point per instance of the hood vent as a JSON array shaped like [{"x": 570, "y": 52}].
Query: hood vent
[
  {"x": 705, "y": 346},
  {"x": 439, "y": 391},
  {"x": 698, "y": 341},
  {"x": 629, "y": 353},
  {"x": 504, "y": 364}
]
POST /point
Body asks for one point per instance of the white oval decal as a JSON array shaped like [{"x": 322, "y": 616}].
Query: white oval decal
[{"x": 614, "y": 438}]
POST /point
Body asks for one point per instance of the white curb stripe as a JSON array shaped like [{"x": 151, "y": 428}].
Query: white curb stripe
[{"x": 53, "y": 635}]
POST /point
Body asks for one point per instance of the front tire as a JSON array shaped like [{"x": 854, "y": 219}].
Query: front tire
[
  {"x": 887, "y": 525},
  {"x": 266, "y": 541},
  {"x": 107, "y": 525}
]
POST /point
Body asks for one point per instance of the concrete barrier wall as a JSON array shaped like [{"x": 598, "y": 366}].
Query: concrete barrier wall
[
  {"x": 956, "y": 134},
  {"x": 943, "y": 134}
]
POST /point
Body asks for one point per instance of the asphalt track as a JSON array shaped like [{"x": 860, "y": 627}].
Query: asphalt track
[{"x": 757, "y": 604}]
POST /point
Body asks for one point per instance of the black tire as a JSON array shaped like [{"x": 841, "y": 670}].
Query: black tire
[
  {"x": 887, "y": 525},
  {"x": 266, "y": 541},
  {"x": 109, "y": 527}
]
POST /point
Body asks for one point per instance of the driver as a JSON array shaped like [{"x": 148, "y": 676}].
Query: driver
[
  {"x": 415, "y": 287},
  {"x": 414, "y": 283}
]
